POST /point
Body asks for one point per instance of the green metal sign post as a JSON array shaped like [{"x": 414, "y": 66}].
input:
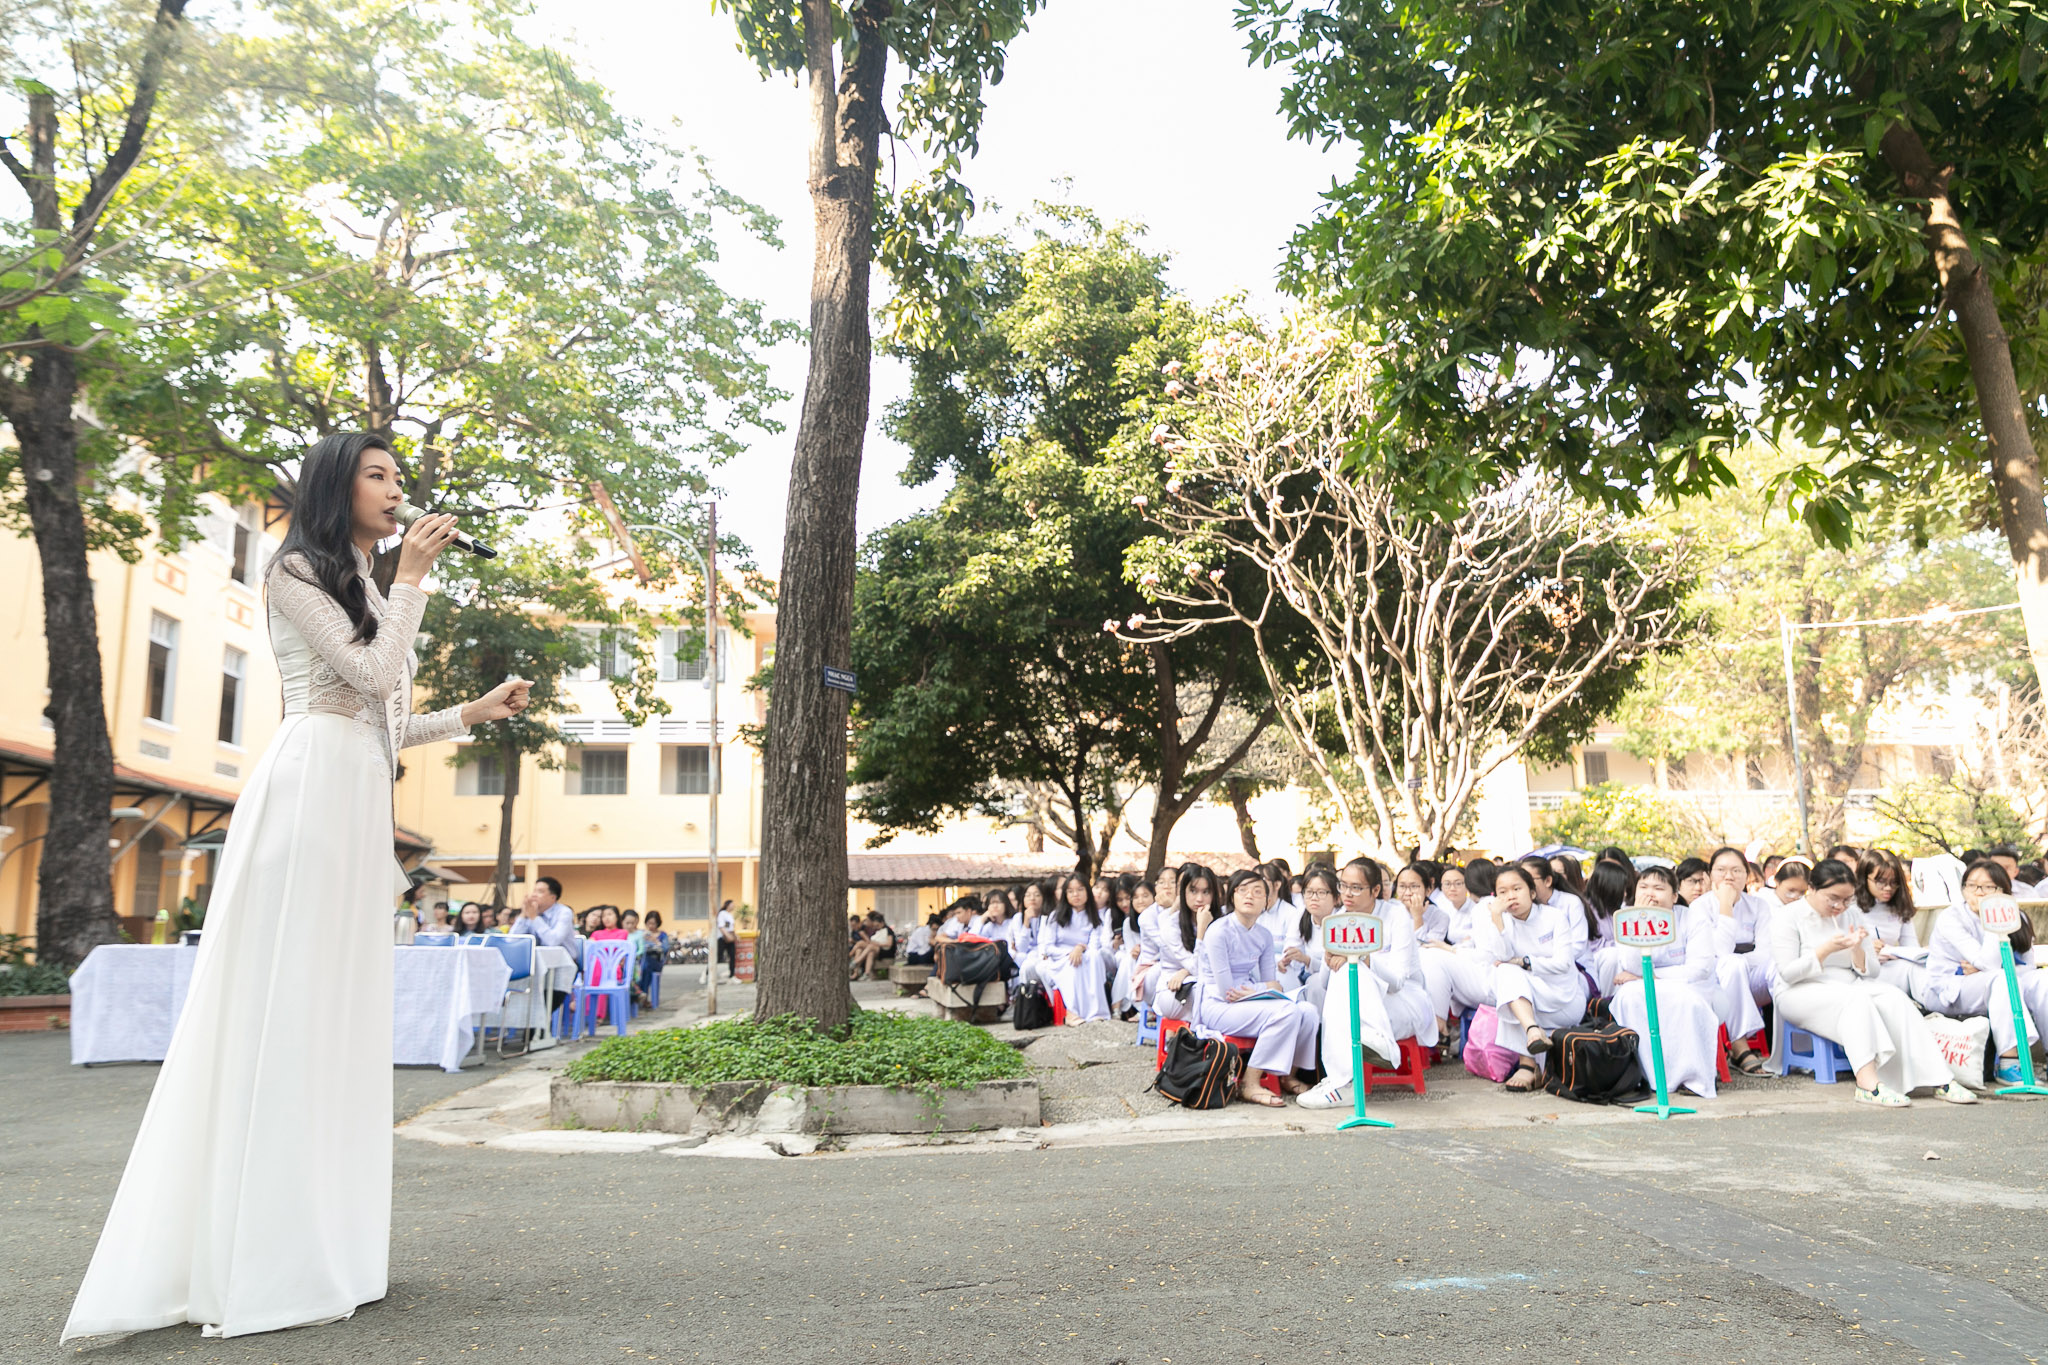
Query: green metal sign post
[
  {"x": 2029, "y": 1086},
  {"x": 1650, "y": 928},
  {"x": 1358, "y": 936}
]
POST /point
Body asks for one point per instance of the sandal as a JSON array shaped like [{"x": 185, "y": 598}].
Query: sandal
[
  {"x": 1535, "y": 1081},
  {"x": 1258, "y": 1094},
  {"x": 1539, "y": 1041},
  {"x": 1291, "y": 1086},
  {"x": 1750, "y": 1062}
]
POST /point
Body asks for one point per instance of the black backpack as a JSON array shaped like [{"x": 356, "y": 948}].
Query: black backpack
[
  {"x": 1032, "y": 1008},
  {"x": 1594, "y": 1065},
  {"x": 972, "y": 964},
  {"x": 1199, "y": 1074}
]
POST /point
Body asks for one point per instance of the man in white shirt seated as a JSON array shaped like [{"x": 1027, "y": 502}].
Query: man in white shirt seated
[{"x": 545, "y": 917}]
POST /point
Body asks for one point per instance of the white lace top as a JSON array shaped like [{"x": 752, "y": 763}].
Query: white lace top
[{"x": 327, "y": 671}]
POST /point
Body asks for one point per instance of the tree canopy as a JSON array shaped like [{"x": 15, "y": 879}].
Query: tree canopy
[{"x": 988, "y": 682}]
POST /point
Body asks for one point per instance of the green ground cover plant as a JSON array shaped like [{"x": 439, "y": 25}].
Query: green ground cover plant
[{"x": 876, "y": 1047}]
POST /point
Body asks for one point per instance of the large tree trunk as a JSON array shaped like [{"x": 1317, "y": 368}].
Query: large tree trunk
[
  {"x": 75, "y": 902},
  {"x": 803, "y": 804},
  {"x": 1240, "y": 794},
  {"x": 2015, "y": 468},
  {"x": 501, "y": 880},
  {"x": 75, "y": 894}
]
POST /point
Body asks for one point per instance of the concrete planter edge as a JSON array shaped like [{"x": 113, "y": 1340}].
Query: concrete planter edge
[{"x": 747, "y": 1107}]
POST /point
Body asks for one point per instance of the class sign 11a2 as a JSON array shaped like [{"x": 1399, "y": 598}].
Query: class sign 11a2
[
  {"x": 1354, "y": 934},
  {"x": 1637, "y": 927}
]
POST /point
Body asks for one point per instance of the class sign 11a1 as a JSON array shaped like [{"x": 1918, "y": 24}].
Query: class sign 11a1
[
  {"x": 1637, "y": 927},
  {"x": 1354, "y": 934}
]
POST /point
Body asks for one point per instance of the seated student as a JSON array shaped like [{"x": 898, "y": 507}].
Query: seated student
[
  {"x": 956, "y": 917},
  {"x": 1167, "y": 963},
  {"x": 470, "y": 919},
  {"x": 502, "y": 917},
  {"x": 1020, "y": 928},
  {"x": 1070, "y": 951},
  {"x": 1691, "y": 874},
  {"x": 1236, "y": 961},
  {"x": 2008, "y": 858},
  {"x": 917, "y": 949},
  {"x": 1687, "y": 1022},
  {"x": 1552, "y": 891},
  {"x": 876, "y": 944},
  {"x": 1608, "y": 888},
  {"x": 1329, "y": 990},
  {"x": 994, "y": 918},
  {"x": 1884, "y": 893},
  {"x": 1536, "y": 984},
  {"x": 1459, "y": 974},
  {"x": 1743, "y": 918},
  {"x": 608, "y": 927},
  {"x": 1134, "y": 898},
  {"x": 1826, "y": 960},
  {"x": 1966, "y": 972}
]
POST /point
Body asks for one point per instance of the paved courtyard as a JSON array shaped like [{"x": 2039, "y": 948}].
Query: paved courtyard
[{"x": 1803, "y": 1229}]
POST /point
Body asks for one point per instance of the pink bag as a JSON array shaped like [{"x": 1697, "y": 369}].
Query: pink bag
[{"x": 1484, "y": 1056}]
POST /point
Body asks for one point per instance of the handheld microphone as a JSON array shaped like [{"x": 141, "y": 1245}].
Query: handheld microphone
[{"x": 408, "y": 514}]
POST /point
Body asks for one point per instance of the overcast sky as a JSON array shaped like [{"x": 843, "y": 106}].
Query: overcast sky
[{"x": 1146, "y": 107}]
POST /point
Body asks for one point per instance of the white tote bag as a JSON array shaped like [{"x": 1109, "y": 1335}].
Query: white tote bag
[{"x": 1962, "y": 1043}]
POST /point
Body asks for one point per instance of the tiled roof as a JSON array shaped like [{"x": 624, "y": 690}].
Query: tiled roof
[{"x": 998, "y": 866}]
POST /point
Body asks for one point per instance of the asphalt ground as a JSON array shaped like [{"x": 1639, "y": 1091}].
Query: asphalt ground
[{"x": 1814, "y": 1236}]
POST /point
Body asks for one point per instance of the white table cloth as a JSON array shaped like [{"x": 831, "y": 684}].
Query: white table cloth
[
  {"x": 437, "y": 997},
  {"x": 126, "y": 998}
]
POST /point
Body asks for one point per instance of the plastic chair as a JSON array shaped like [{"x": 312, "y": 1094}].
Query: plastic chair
[
  {"x": 472, "y": 940},
  {"x": 1059, "y": 1009},
  {"x": 518, "y": 954},
  {"x": 433, "y": 940},
  {"x": 606, "y": 965},
  {"x": 1821, "y": 1056},
  {"x": 1148, "y": 1024},
  {"x": 1722, "y": 1048},
  {"x": 1411, "y": 1071}
]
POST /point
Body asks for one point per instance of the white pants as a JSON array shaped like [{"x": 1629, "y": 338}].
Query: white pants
[
  {"x": 1760, "y": 972},
  {"x": 1120, "y": 994},
  {"x": 1733, "y": 1002},
  {"x": 1330, "y": 993},
  {"x": 1874, "y": 1023},
  {"x": 1558, "y": 1001},
  {"x": 1985, "y": 993},
  {"x": 1910, "y": 977},
  {"x": 1284, "y": 1031},
  {"x": 1686, "y": 1025},
  {"x": 1457, "y": 981},
  {"x": 1079, "y": 985}
]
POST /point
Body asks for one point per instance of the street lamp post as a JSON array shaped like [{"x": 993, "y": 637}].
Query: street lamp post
[{"x": 707, "y": 562}]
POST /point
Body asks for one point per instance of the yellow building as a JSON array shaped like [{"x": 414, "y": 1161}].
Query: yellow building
[
  {"x": 625, "y": 820},
  {"x": 192, "y": 699}
]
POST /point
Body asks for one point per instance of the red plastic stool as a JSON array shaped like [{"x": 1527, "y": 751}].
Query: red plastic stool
[
  {"x": 1059, "y": 1009},
  {"x": 1411, "y": 1072},
  {"x": 1169, "y": 1027},
  {"x": 1721, "y": 1050}
]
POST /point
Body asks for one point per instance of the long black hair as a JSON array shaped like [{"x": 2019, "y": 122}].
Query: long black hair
[
  {"x": 1327, "y": 875},
  {"x": 320, "y": 546},
  {"x": 1063, "y": 913},
  {"x": 1190, "y": 873},
  {"x": 1612, "y": 886}
]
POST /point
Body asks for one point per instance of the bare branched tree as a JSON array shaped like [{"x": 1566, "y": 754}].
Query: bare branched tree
[{"x": 1409, "y": 652}]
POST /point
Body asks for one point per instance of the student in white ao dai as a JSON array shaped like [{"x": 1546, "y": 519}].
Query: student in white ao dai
[
  {"x": 1827, "y": 967},
  {"x": 1536, "y": 984},
  {"x": 1236, "y": 961},
  {"x": 1966, "y": 972}
]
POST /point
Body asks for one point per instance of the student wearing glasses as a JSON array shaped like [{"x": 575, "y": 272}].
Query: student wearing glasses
[
  {"x": 1237, "y": 992},
  {"x": 1966, "y": 972},
  {"x": 1826, "y": 959}
]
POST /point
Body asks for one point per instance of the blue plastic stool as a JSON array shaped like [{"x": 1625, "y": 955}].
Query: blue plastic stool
[
  {"x": 1464, "y": 1031},
  {"x": 1148, "y": 1025},
  {"x": 654, "y": 990},
  {"x": 1821, "y": 1056}
]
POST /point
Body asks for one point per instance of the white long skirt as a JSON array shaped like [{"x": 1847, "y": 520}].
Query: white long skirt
[
  {"x": 1080, "y": 986},
  {"x": 1457, "y": 981},
  {"x": 258, "y": 1192},
  {"x": 1383, "y": 1019},
  {"x": 1874, "y": 1023},
  {"x": 1687, "y": 1026}
]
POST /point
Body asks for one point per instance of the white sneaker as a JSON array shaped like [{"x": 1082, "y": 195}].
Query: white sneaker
[
  {"x": 1955, "y": 1093},
  {"x": 1884, "y": 1097},
  {"x": 1328, "y": 1095}
]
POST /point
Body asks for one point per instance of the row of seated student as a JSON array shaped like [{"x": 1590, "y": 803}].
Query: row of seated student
[{"x": 1831, "y": 947}]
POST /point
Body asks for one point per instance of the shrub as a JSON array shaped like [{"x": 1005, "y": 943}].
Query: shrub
[
  {"x": 1636, "y": 818},
  {"x": 878, "y": 1047},
  {"x": 19, "y": 976}
]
